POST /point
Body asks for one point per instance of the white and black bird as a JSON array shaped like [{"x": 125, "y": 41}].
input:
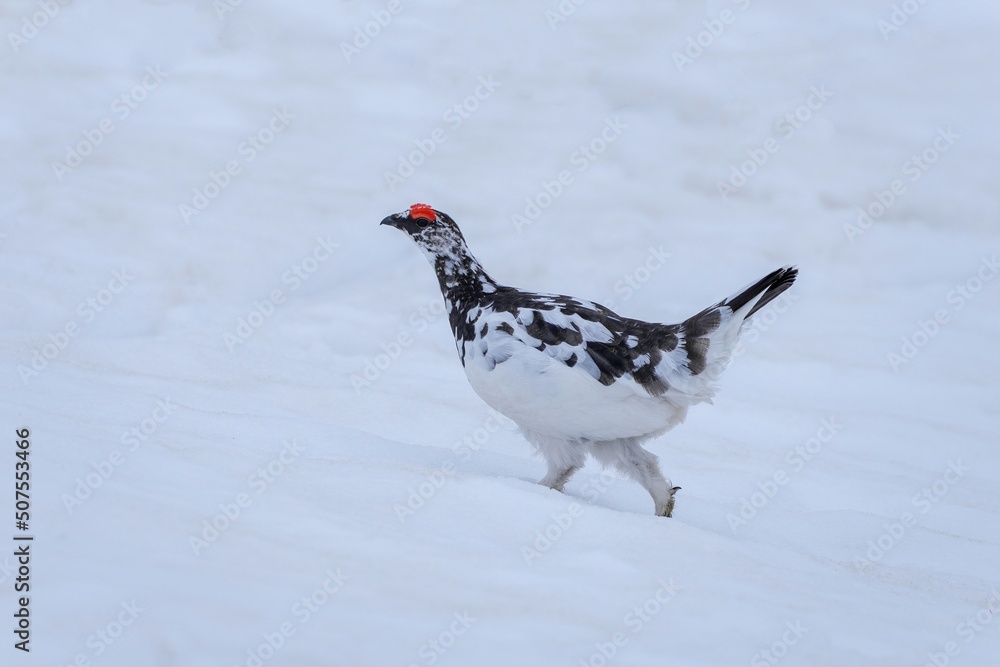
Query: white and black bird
[{"x": 576, "y": 377}]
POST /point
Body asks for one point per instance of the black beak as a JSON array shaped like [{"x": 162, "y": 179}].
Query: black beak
[{"x": 392, "y": 221}]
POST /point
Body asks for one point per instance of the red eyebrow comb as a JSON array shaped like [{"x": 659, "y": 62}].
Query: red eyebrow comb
[{"x": 422, "y": 211}]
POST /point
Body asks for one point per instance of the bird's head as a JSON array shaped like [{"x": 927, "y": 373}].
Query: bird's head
[
  {"x": 442, "y": 243},
  {"x": 433, "y": 231}
]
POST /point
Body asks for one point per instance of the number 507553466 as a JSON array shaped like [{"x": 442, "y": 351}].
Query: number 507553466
[{"x": 22, "y": 477}]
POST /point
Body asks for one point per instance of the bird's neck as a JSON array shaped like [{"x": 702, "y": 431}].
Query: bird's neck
[{"x": 462, "y": 278}]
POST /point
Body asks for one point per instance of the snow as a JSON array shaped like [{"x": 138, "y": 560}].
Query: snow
[{"x": 279, "y": 328}]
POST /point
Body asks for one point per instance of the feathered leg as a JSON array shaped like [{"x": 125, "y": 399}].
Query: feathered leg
[
  {"x": 563, "y": 458},
  {"x": 629, "y": 458}
]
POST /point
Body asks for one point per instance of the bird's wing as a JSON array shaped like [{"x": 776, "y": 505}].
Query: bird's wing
[{"x": 656, "y": 359}]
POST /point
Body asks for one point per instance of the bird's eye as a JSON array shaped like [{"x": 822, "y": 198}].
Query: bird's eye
[{"x": 423, "y": 222}]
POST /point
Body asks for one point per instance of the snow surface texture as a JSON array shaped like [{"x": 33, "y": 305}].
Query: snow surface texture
[{"x": 839, "y": 504}]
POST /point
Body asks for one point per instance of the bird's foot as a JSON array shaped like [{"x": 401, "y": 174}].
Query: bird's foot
[
  {"x": 667, "y": 509},
  {"x": 555, "y": 486},
  {"x": 556, "y": 479}
]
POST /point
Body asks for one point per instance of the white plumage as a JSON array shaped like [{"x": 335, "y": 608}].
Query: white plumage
[{"x": 577, "y": 378}]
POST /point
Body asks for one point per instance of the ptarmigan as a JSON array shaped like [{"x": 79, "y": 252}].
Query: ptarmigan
[{"x": 576, "y": 377}]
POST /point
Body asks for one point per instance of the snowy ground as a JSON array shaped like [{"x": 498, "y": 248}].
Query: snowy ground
[{"x": 201, "y": 317}]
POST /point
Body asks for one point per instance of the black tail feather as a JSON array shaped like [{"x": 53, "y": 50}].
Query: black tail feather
[{"x": 772, "y": 285}]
